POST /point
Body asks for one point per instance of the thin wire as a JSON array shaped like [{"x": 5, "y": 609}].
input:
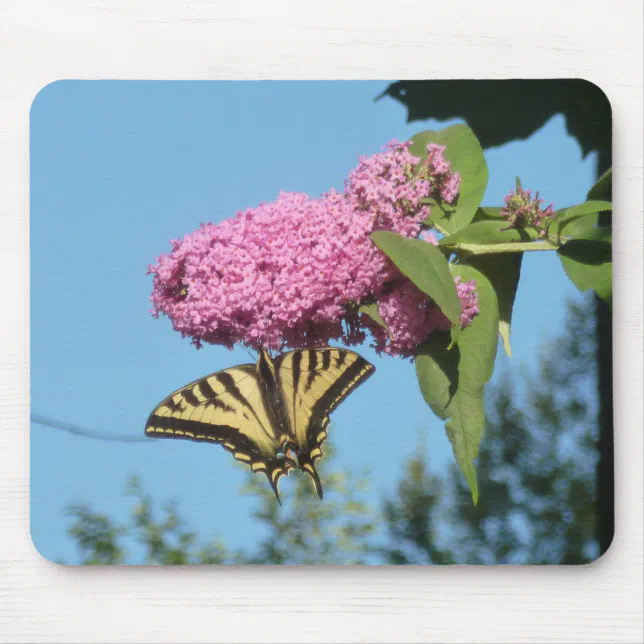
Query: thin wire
[{"x": 77, "y": 430}]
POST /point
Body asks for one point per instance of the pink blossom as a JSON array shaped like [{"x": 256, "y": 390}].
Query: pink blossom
[
  {"x": 469, "y": 300},
  {"x": 292, "y": 273},
  {"x": 522, "y": 210},
  {"x": 411, "y": 316},
  {"x": 445, "y": 183}
]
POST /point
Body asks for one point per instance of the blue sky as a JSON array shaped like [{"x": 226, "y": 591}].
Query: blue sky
[{"x": 118, "y": 169}]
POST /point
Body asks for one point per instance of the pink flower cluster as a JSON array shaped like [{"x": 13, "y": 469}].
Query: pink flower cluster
[
  {"x": 292, "y": 273},
  {"x": 411, "y": 316},
  {"x": 522, "y": 210},
  {"x": 445, "y": 183}
]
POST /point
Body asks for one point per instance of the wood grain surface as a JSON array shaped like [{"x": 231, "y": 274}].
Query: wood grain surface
[{"x": 45, "y": 40}]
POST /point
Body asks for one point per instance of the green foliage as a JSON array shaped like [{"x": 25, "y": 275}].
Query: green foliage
[
  {"x": 485, "y": 213},
  {"x": 588, "y": 208},
  {"x": 164, "y": 538},
  {"x": 303, "y": 531},
  {"x": 536, "y": 465},
  {"x": 488, "y": 232},
  {"x": 538, "y": 501},
  {"x": 410, "y": 516},
  {"x": 452, "y": 381},
  {"x": 584, "y": 249},
  {"x": 465, "y": 154},
  {"x": 571, "y": 222},
  {"x": 478, "y": 239},
  {"x": 588, "y": 262},
  {"x": 603, "y": 187},
  {"x": 500, "y": 111},
  {"x": 96, "y": 536},
  {"x": 503, "y": 271},
  {"x": 426, "y": 267},
  {"x": 536, "y": 475},
  {"x": 537, "y": 468}
]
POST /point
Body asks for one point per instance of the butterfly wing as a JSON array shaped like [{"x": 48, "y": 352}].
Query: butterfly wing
[
  {"x": 313, "y": 383},
  {"x": 226, "y": 408}
]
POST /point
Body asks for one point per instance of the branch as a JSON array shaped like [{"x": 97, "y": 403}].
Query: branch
[{"x": 77, "y": 430}]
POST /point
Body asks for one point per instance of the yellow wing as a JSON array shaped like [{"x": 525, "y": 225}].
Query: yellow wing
[
  {"x": 314, "y": 382},
  {"x": 226, "y": 408}
]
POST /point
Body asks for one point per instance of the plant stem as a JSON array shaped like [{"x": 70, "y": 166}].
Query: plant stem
[{"x": 514, "y": 247}]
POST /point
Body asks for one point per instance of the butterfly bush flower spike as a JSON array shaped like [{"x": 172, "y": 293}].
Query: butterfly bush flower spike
[
  {"x": 522, "y": 210},
  {"x": 469, "y": 300},
  {"x": 444, "y": 184},
  {"x": 292, "y": 273},
  {"x": 411, "y": 316}
]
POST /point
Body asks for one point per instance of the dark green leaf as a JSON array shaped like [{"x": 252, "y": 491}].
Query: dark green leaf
[
  {"x": 566, "y": 227},
  {"x": 573, "y": 221},
  {"x": 603, "y": 188},
  {"x": 372, "y": 311},
  {"x": 503, "y": 271},
  {"x": 465, "y": 154},
  {"x": 481, "y": 342},
  {"x": 519, "y": 186},
  {"x": 488, "y": 232},
  {"x": 437, "y": 372},
  {"x": 426, "y": 267},
  {"x": 588, "y": 208},
  {"x": 452, "y": 381},
  {"x": 587, "y": 261},
  {"x": 485, "y": 213}
]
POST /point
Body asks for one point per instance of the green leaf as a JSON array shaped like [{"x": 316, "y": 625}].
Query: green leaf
[
  {"x": 372, "y": 311},
  {"x": 603, "y": 188},
  {"x": 503, "y": 271},
  {"x": 481, "y": 342},
  {"x": 571, "y": 222},
  {"x": 488, "y": 232},
  {"x": 485, "y": 213},
  {"x": 587, "y": 260},
  {"x": 519, "y": 186},
  {"x": 588, "y": 208},
  {"x": 437, "y": 372},
  {"x": 465, "y": 154},
  {"x": 563, "y": 227},
  {"x": 452, "y": 381},
  {"x": 426, "y": 267}
]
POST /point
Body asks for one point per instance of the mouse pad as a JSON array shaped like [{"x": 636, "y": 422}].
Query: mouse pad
[{"x": 321, "y": 322}]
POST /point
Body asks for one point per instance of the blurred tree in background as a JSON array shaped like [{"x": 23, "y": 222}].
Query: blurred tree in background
[
  {"x": 303, "y": 531},
  {"x": 538, "y": 501},
  {"x": 501, "y": 111},
  {"x": 537, "y": 467}
]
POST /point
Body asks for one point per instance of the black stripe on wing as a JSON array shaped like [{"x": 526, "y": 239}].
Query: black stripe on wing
[
  {"x": 354, "y": 376},
  {"x": 227, "y": 381},
  {"x": 313, "y": 363},
  {"x": 316, "y": 431},
  {"x": 171, "y": 427}
]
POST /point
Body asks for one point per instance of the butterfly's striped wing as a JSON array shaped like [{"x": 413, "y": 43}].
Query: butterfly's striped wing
[
  {"x": 226, "y": 408},
  {"x": 313, "y": 383}
]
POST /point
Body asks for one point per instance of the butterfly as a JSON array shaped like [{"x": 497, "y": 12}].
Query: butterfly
[{"x": 272, "y": 415}]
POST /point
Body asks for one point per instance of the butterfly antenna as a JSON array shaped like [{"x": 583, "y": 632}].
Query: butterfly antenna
[{"x": 254, "y": 358}]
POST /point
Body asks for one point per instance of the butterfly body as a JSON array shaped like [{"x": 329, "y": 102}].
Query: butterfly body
[{"x": 273, "y": 415}]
